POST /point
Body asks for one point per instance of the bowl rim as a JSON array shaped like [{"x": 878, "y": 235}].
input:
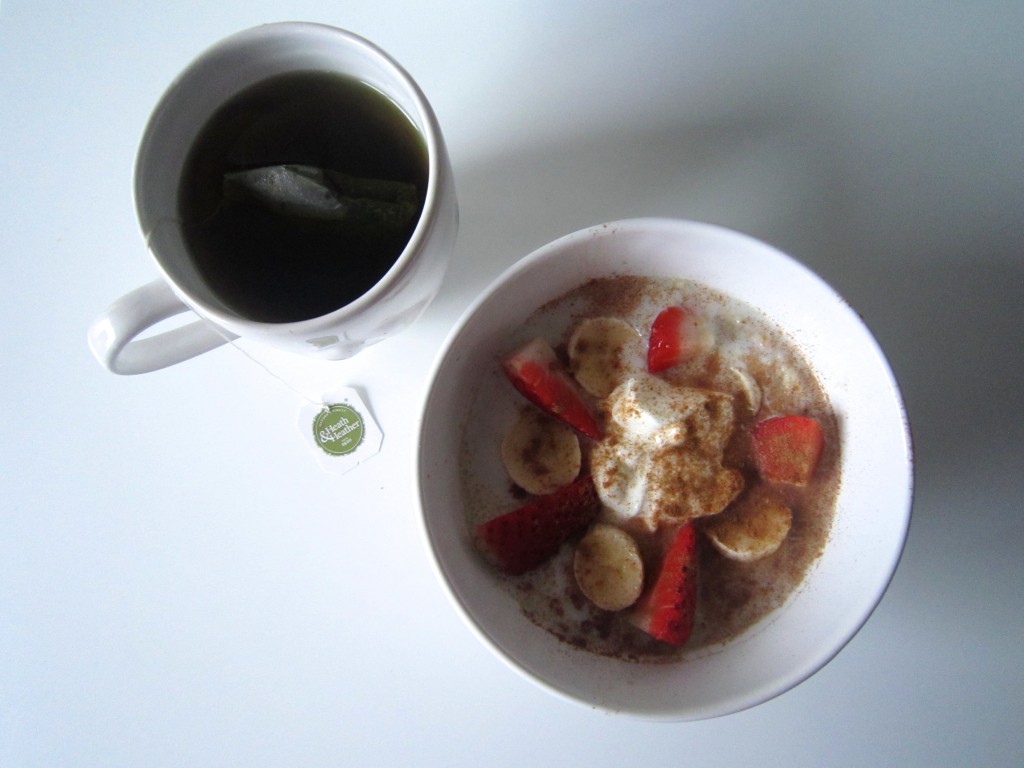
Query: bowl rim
[{"x": 736, "y": 703}]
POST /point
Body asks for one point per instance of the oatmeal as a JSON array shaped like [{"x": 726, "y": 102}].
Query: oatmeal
[{"x": 701, "y": 469}]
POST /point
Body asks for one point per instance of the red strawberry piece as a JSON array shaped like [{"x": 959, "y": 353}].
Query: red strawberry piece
[
  {"x": 520, "y": 540},
  {"x": 534, "y": 370},
  {"x": 677, "y": 334},
  {"x": 666, "y": 611},
  {"x": 787, "y": 448}
]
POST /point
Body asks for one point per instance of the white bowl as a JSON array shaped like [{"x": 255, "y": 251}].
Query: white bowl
[{"x": 873, "y": 506}]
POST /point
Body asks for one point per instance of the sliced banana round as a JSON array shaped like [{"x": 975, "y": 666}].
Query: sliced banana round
[
  {"x": 599, "y": 349},
  {"x": 753, "y": 528},
  {"x": 540, "y": 454},
  {"x": 608, "y": 567}
]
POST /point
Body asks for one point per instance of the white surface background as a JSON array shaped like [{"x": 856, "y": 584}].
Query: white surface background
[{"x": 180, "y": 585}]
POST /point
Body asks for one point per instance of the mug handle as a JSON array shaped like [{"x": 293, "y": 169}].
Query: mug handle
[{"x": 112, "y": 334}]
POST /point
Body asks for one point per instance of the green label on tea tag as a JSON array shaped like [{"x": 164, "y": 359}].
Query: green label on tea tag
[
  {"x": 341, "y": 431},
  {"x": 338, "y": 429}
]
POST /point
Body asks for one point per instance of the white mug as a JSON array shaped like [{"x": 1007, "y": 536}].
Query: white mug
[{"x": 231, "y": 65}]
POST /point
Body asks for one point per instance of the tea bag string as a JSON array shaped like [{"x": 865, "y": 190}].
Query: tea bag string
[
  {"x": 232, "y": 340},
  {"x": 337, "y": 427}
]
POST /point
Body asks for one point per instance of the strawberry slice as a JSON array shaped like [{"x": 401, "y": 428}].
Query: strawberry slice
[
  {"x": 677, "y": 334},
  {"x": 787, "y": 448},
  {"x": 666, "y": 611},
  {"x": 520, "y": 540},
  {"x": 534, "y": 370}
]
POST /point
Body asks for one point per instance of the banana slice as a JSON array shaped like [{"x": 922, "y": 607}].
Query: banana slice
[
  {"x": 541, "y": 454},
  {"x": 608, "y": 567},
  {"x": 754, "y": 528},
  {"x": 598, "y": 349}
]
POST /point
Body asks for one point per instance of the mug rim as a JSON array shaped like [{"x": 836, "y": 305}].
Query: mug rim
[{"x": 433, "y": 143}]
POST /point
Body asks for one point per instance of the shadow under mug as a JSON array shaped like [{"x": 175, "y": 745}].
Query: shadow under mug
[{"x": 219, "y": 73}]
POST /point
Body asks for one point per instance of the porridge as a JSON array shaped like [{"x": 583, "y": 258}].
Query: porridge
[{"x": 650, "y": 466}]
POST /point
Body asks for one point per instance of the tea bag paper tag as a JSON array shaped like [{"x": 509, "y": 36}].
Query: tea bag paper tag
[{"x": 340, "y": 431}]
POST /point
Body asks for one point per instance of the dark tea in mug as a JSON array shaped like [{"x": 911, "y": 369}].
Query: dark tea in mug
[{"x": 299, "y": 194}]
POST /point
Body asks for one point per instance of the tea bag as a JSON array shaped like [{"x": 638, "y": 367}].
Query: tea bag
[{"x": 308, "y": 192}]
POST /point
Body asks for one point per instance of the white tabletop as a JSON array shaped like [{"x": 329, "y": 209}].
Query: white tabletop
[{"x": 180, "y": 583}]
